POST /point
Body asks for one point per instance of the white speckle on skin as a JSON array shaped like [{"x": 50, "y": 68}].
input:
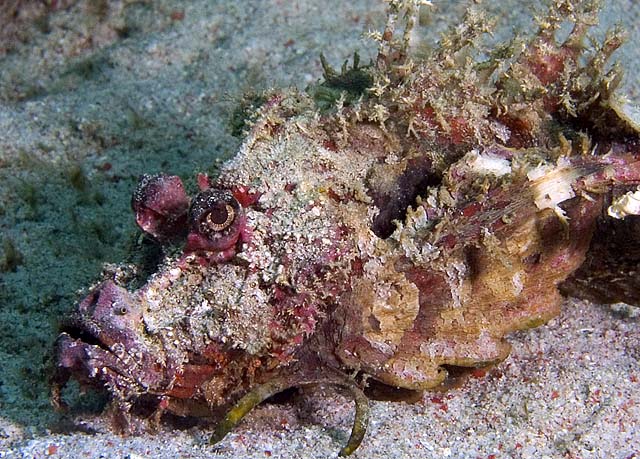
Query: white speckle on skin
[
  {"x": 517, "y": 283},
  {"x": 487, "y": 163}
]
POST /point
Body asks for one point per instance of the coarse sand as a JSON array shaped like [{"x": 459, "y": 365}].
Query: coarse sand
[{"x": 94, "y": 93}]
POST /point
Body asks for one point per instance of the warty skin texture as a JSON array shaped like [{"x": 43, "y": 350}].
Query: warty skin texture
[{"x": 392, "y": 239}]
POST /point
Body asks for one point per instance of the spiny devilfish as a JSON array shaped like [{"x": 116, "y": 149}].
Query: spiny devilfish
[{"x": 402, "y": 233}]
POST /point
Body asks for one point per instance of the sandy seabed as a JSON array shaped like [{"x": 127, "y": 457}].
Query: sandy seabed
[{"x": 94, "y": 94}]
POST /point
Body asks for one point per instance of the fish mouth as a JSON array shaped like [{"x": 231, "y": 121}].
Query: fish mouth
[
  {"x": 76, "y": 334},
  {"x": 83, "y": 329},
  {"x": 79, "y": 352}
]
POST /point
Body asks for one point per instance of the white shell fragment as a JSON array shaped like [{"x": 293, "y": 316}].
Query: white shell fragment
[
  {"x": 627, "y": 204},
  {"x": 552, "y": 185}
]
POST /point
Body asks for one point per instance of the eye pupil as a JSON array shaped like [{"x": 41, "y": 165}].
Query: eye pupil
[{"x": 218, "y": 215}]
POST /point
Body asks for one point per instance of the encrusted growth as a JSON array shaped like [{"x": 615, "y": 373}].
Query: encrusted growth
[
  {"x": 348, "y": 86},
  {"x": 403, "y": 234}
]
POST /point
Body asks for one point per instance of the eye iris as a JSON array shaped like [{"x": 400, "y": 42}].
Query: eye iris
[{"x": 220, "y": 217}]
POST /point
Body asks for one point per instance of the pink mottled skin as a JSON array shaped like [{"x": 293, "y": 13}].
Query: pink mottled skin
[
  {"x": 390, "y": 241},
  {"x": 109, "y": 323},
  {"x": 160, "y": 204}
]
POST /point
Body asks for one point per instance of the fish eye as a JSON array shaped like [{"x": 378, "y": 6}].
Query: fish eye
[
  {"x": 121, "y": 310},
  {"x": 213, "y": 212}
]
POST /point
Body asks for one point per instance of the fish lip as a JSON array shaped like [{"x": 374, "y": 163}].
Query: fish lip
[
  {"x": 81, "y": 328},
  {"x": 77, "y": 335},
  {"x": 80, "y": 335},
  {"x": 75, "y": 349}
]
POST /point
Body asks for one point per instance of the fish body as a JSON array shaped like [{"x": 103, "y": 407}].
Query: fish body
[{"x": 394, "y": 239}]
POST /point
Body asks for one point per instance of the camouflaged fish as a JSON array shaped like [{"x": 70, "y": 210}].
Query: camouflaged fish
[{"x": 390, "y": 225}]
